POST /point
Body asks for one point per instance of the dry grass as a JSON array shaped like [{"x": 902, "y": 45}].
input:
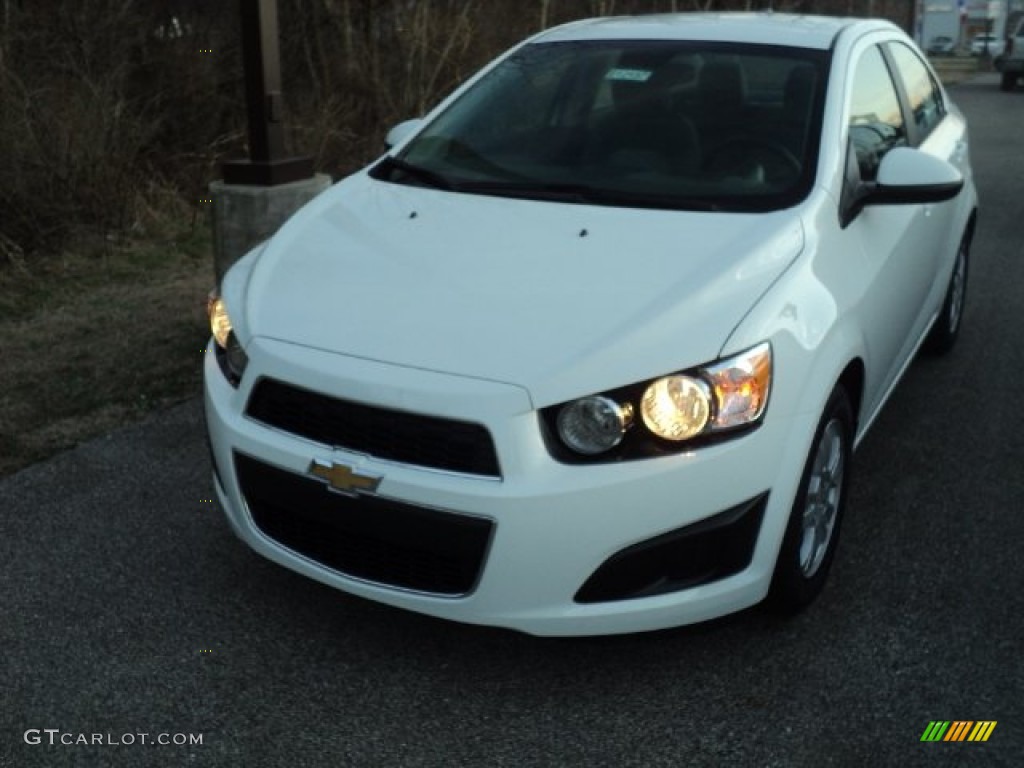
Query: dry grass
[{"x": 89, "y": 343}]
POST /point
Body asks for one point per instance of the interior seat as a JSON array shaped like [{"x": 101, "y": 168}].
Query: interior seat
[
  {"x": 798, "y": 99},
  {"x": 721, "y": 102},
  {"x": 643, "y": 132}
]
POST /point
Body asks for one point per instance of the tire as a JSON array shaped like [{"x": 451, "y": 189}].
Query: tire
[
  {"x": 944, "y": 333},
  {"x": 1008, "y": 81},
  {"x": 812, "y": 533}
]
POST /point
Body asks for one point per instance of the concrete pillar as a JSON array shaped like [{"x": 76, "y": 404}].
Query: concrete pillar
[{"x": 246, "y": 215}]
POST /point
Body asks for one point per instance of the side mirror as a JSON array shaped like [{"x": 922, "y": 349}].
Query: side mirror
[
  {"x": 910, "y": 176},
  {"x": 905, "y": 176},
  {"x": 402, "y": 131}
]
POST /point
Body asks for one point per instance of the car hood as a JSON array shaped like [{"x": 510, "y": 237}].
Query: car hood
[{"x": 560, "y": 298}]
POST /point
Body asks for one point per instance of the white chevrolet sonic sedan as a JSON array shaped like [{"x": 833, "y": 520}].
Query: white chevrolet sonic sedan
[{"x": 589, "y": 349}]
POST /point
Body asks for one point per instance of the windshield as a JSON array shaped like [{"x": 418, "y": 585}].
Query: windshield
[{"x": 669, "y": 124}]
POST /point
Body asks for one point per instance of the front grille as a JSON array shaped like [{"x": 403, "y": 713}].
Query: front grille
[
  {"x": 410, "y": 438},
  {"x": 367, "y": 537}
]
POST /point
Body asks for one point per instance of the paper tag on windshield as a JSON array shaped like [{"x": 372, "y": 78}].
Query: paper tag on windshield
[{"x": 632, "y": 75}]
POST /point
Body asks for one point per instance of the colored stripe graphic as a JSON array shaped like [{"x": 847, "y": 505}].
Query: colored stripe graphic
[
  {"x": 958, "y": 731},
  {"x": 935, "y": 730},
  {"x": 982, "y": 730}
]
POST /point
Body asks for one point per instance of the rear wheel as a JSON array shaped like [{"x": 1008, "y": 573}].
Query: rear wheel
[
  {"x": 944, "y": 333},
  {"x": 1009, "y": 81},
  {"x": 812, "y": 533}
]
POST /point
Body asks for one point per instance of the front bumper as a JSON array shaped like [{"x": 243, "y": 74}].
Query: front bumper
[{"x": 542, "y": 532}]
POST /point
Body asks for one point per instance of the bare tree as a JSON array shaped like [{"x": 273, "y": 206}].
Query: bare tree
[{"x": 110, "y": 108}]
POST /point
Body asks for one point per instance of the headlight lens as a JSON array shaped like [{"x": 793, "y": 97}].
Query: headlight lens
[
  {"x": 220, "y": 323},
  {"x": 674, "y": 410},
  {"x": 235, "y": 358},
  {"x": 594, "y": 424},
  {"x": 230, "y": 355},
  {"x": 741, "y": 385},
  {"x": 676, "y": 407}
]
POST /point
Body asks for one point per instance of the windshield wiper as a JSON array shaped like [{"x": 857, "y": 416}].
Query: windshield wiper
[
  {"x": 584, "y": 193},
  {"x": 534, "y": 190},
  {"x": 551, "y": 191},
  {"x": 432, "y": 178}
]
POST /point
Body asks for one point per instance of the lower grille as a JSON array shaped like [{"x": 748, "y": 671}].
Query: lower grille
[{"x": 367, "y": 537}]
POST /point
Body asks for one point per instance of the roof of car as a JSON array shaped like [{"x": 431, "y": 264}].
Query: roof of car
[{"x": 765, "y": 28}]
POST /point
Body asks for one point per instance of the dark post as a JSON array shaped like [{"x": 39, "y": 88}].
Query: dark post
[{"x": 267, "y": 165}]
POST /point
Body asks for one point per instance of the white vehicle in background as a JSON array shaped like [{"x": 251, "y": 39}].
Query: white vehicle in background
[
  {"x": 942, "y": 45},
  {"x": 589, "y": 349},
  {"x": 987, "y": 45}
]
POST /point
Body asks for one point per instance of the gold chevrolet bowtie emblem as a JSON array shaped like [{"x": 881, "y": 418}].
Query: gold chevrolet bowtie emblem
[{"x": 343, "y": 478}]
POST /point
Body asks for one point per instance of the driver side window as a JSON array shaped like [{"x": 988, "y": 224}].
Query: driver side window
[
  {"x": 876, "y": 121},
  {"x": 926, "y": 105}
]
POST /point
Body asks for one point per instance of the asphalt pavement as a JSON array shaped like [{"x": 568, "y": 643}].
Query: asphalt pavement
[{"x": 129, "y": 608}]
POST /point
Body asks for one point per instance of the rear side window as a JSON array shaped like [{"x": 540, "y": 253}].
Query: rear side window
[
  {"x": 923, "y": 93},
  {"x": 876, "y": 121}
]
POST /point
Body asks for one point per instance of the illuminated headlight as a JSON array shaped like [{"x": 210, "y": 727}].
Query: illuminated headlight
[
  {"x": 676, "y": 407},
  {"x": 594, "y": 424},
  {"x": 728, "y": 394},
  {"x": 220, "y": 323},
  {"x": 702, "y": 402},
  {"x": 230, "y": 355}
]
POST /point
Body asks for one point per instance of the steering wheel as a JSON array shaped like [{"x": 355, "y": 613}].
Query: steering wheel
[{"x": 736, "y": 154}]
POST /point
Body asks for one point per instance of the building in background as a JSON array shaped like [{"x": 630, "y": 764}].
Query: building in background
[
  {"x": 937, "y": 19},
  {"x": 985, "y": 17},
  {"x": 961, "y": 20}
]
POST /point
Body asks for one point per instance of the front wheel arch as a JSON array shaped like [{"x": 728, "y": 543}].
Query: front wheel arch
[
  {"x": 944, "y": 333},
  {"x": 811, "y": 536}
]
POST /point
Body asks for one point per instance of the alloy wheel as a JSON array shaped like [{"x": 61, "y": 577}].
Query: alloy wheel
[{"x": 824, "y": 495}]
